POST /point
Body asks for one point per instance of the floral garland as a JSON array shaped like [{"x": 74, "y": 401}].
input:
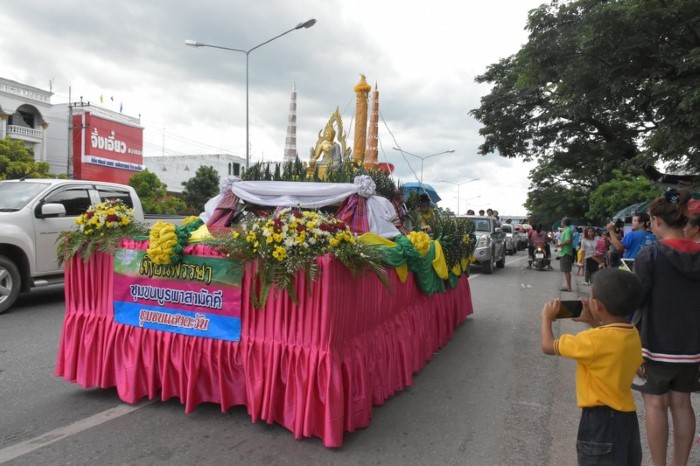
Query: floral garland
[
  {"x": 166, "y": 242},
  {"x": 98, "y": 229},
  {"x": 290, "y": 241}
]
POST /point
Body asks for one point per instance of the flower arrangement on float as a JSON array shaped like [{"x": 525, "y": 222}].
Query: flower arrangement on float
[
  {"x": 283, "y": 244},
  {"x": 100, "y": 228},
  {"x": 290, "y": 241}
]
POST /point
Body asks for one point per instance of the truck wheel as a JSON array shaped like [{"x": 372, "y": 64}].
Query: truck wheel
[
  {"x": 10, "y": 283},
  {"x": 502, "y": 263},
  {"x": 487, "y": 267}
]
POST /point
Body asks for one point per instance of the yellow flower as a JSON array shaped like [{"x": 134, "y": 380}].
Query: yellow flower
[
  {"x": 162, "y": 240},
  {"x": 279, "y": 253},
  {"x": 421, "y": 241}
]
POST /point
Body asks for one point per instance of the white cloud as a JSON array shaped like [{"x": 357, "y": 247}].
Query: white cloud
[{"x": 424, "y": 56}]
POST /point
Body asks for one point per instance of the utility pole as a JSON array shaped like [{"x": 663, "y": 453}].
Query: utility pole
[{"x": 69, "y": 164}]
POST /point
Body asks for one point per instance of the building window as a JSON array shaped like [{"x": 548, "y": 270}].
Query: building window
[{"x": 236, "y": 169}]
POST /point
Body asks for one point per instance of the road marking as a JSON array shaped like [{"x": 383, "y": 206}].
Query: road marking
[{"x": 28, "y": 446}]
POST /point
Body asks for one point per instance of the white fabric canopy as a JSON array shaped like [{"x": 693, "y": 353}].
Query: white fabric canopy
[
  {"x": 307, "y": 195},
  {"x": 292, "y": 194}
]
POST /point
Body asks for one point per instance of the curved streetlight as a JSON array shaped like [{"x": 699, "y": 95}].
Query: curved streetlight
[
  {"x": 423, "y": 157},
  {"x": 458, "y": 185},
  {"x": 193, "y": 43}
]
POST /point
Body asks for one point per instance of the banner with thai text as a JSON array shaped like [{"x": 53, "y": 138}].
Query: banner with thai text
[{"x": 200, "y": 297}]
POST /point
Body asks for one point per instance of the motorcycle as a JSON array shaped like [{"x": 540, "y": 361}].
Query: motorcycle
[{"x": 541, "y": 261}]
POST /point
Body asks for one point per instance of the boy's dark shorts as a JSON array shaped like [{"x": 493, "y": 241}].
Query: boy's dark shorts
[
  {"x": 658, "y": 378},
  {"x": 608, "y": 436},
  {"x": 565, "y": 262}
]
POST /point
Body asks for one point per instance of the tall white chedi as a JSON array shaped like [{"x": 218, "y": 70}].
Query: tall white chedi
[{"x": 290, "y": 143}]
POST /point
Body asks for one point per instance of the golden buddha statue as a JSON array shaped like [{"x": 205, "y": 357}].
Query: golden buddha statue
[{"x": 328, "y": 152}]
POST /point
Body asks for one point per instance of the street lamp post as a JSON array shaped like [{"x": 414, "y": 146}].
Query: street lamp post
[
  {"x": 423, "y": 157},
  {"x": 193, "y": 43},
  {"x": 458, "y": 185}
]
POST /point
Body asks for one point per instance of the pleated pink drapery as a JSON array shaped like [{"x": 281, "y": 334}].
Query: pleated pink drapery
[{"x": 316, "y": 368}]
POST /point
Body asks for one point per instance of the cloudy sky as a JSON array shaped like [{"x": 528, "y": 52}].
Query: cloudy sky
[{"x": 423, "y": 56}]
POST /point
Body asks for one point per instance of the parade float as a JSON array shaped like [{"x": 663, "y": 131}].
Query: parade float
[{"x": 306, "y": 301}]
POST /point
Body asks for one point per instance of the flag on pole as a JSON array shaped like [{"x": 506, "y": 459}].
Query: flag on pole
[{"x": 102, "y": 99}]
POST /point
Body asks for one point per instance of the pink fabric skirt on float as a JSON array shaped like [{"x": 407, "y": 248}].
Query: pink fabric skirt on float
[{"x": 316, "y": 368}]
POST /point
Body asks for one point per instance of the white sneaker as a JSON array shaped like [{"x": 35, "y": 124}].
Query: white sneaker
[{"x": 587, "y": 283}]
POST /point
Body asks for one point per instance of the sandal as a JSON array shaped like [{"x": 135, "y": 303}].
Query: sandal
[{"x": 565, "y": 289}]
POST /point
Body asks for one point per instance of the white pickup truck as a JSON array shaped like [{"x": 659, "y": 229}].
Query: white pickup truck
[{"x": 32, "y": 214}]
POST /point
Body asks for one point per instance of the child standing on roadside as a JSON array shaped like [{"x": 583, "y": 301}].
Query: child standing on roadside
[{"x": 607, "y": 357}]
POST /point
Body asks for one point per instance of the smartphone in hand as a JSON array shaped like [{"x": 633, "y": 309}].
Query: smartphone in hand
[{"x": 570, "y": 309}]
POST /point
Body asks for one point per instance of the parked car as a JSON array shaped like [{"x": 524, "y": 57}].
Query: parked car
[
  {"x": 521, "y": 238},
  {"x": 490, "y": 251},
  {"x": 511, "y": 239},
  {"x": 32, "y": 214}
]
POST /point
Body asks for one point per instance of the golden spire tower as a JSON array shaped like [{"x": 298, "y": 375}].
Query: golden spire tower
[{"x": 360, "y": 141}]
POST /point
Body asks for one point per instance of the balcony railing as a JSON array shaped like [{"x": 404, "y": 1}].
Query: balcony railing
[
  {"x": 25, "y": 92},
  {"x": 24, "y": 131}
]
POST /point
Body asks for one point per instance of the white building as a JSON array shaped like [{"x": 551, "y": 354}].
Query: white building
[
  {"x": 23, "y": 115},
  {"x": 173, "y": 170},
  {"x": 26, "y": 114}
]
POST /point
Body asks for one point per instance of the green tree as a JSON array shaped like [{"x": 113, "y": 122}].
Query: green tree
[
  {"x": 154, "y": 194},
  {"x": 17, "y": 161},
  {"x": 148, "y": 185},
  {"x": 623, "y": 191},
  {"x": 201, "y": 187},
  {"x": 600, "y": 84},
  {"x": 548, "y": 203}
]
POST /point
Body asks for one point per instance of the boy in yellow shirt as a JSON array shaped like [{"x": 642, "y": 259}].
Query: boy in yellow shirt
[{"x": 607, "y": 358}]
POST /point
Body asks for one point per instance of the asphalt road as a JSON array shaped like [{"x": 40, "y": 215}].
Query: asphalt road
[{"x": 489, "y": 397}]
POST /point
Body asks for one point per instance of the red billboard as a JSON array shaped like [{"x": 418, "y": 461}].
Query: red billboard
[{"x": 108, "y": 147}]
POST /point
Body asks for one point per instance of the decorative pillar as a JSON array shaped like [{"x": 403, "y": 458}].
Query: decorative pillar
[
  {"x": 3, "y": 124},
  {"x": 290, "y": 143},
  {"x": 372, "y": 146},
  {"x": 360, "y": 142},
  {"x": 44, "y": 127}
]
